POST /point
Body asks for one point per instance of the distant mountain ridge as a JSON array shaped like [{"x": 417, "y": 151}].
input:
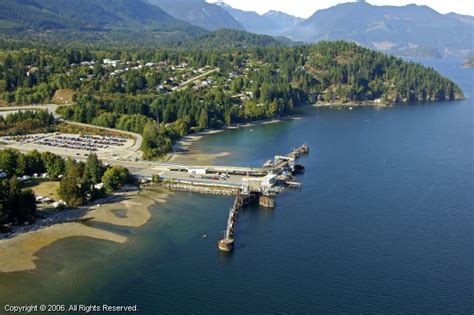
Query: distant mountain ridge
[
  {"x": 112, "y": 23},
  {"x": 393, "y": 29},
  {"x": 273, "y": 23},
  {"x": 90, "y": 19},
  {"x": 409, "y": 30},
  {"x": 285, "y": 20},
  {"x": 199, "y": 13}
]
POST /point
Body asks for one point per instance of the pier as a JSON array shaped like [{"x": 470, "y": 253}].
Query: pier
[
  {"x": 250, "y": 185},
  {"x": 241, "y": 200},
  {"x": 263, "y": 193}
]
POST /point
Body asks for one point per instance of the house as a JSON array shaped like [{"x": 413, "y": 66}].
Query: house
[{"x": 110, "y": 62}]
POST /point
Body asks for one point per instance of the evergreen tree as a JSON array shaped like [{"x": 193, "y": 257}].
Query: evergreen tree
[{"x": 93, "y": 169}]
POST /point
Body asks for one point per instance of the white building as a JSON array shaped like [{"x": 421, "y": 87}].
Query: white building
[
  {"x": 199, "y": 171},
  {"x": 269, "y": 181}
]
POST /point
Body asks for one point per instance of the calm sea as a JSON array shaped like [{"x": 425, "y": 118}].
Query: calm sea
[{"x": 383, "y": 224}]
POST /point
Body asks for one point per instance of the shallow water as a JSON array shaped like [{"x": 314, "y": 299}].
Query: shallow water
[{"x": 383, "y": 224}]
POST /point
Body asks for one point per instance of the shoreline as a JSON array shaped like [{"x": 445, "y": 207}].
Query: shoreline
[
  {"x": 18, "y": 251},
  {"x": 68, "y": 215},
  {"x": 350, "y": 104},
  {"x": 378, "y": 104},
  {"x": 182, "y": 150}
]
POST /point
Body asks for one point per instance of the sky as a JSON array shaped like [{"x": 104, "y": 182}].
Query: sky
[{"x": 305, "y": 8}]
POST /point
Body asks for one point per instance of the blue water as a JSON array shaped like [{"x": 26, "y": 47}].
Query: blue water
[{"x": 384, "y": 224}]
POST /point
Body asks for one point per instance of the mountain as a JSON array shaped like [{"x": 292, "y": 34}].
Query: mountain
[
  {"x": 393, "y": 29},
  {"x": 284, "y": 20},
  {"x": 463, "y": 18},
  {"x": 92, "y": 20},
  {"x": 199, "y": 13},
  {"x": 252, "y": 21},
  {"x": 271, "y": 23}
]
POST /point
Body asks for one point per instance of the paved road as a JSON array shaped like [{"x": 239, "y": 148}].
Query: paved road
[
  {"x": 182, "y": 85},
  {"x": 11, "y": 109}
]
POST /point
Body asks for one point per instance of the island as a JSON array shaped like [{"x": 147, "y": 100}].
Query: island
[{"x": 469, "y": 63}]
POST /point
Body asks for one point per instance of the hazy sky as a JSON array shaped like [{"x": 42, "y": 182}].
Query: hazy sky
[{"x": 305, "y": 8}]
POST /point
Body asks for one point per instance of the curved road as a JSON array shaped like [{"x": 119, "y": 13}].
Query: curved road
[{"x": 51, "y": 108}]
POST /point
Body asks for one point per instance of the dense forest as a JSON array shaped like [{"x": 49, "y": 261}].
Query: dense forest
[
  {"x": 132, "y": 89},
  {"x": 25, "y": 122},
  {"x": 77, "y": 181}
]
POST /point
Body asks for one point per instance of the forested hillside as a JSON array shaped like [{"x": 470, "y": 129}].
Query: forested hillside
[
  {"x": 86, "y": 21},
  {"x": 350, "y": 72},
  {"x": 225, "y": 39},
  {"x": 189, "y": 90}
]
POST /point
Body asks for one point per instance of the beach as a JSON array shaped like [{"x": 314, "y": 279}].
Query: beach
[
  {"x": 127, "y": 209},
  {"x": 18, "y": 253}
]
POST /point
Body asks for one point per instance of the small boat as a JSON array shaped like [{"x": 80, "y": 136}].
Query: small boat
[{"x": 204, "y": 236}]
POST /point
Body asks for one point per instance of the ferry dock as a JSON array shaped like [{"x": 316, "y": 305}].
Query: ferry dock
[
  {"x": 249, "y": 184},
  {"x": 264, "y": 193}
]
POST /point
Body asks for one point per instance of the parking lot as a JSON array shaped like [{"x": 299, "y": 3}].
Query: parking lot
[{"x": 106, "y": 147}]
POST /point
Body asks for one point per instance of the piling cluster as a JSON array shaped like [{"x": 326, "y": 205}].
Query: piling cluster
[{"x": 264, "y": 195}]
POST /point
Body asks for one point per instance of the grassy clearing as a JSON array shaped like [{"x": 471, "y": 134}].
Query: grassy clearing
[
  {"x": 63, "y": 97},
  {"x": 74, "y": 129},
  {"x": 46, "y": 189}
]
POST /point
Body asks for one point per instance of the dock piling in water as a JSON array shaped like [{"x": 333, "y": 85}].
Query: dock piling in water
[{"x": 264, "y": 196}]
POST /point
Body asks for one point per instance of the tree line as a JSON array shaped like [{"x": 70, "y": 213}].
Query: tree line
[
  {"x": 79, "y": 182},
  {"x": 25, "y": 122}
]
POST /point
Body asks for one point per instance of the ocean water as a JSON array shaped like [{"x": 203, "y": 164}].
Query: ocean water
[{"x": 383, "y": 224}]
